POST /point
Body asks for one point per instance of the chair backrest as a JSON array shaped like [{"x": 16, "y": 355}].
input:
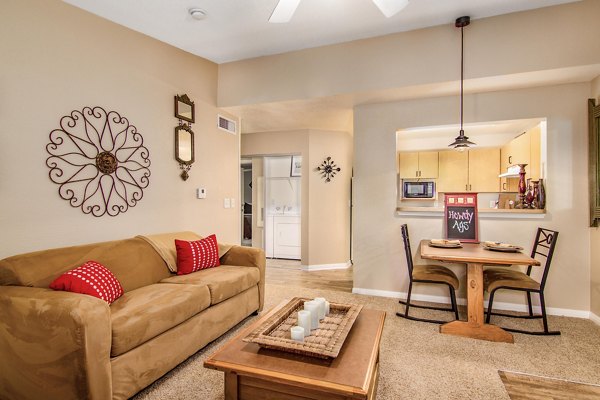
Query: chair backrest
[
  {"x": 545, "y": 241},
  {"x": 406, "y": 240}
]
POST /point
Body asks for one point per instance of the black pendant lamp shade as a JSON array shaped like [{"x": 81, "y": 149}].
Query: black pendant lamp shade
[{"x": 461, "y": 142}]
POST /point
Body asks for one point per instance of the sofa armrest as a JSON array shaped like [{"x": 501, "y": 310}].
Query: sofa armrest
[
  {"x": 54, "y": 345},
  {"x": 250, "y": 257}
]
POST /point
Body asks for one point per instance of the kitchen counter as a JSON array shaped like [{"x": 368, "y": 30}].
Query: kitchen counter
[{"x": 500, "y": 213}]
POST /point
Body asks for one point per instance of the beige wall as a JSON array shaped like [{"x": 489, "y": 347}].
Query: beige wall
[
  {"x": 531, "y": 41},
  {"x": 378, "y": 254},
  {"x": 56, "y": 59},
  {"x": 595, "y": 239},
  {"x": 329, "y": 202},
  {"x": 258, "y": 216},
  {"x": 325, "y": 206}
]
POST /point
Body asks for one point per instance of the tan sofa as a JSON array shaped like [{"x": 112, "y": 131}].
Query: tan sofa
[{"x": 61, "y": 345}]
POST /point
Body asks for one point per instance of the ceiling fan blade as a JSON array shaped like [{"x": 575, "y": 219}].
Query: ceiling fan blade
[
  {"x": 390, "y": 7},
  {"x": 284, "y": 10}
]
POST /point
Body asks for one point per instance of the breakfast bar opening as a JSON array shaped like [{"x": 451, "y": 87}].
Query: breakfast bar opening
[{"x": 506, "y": 169}]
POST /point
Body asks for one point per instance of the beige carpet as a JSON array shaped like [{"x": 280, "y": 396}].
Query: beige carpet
[{"x": 419, "y": 363}]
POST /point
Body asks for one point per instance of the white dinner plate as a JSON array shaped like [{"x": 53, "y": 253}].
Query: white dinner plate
[
  {"x": 446, "y": 245},
  {"x": 508, "y": 248}
]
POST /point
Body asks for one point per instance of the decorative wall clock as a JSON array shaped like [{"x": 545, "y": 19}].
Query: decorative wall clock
[
  {"x": 328, "y": 169},
  {"x": 99, "y": 161}
]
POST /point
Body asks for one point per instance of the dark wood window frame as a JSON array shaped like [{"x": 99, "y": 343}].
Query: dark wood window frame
[{"x": 594, "y": 161}]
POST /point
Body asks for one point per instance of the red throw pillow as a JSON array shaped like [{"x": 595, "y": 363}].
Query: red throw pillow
[
  {"x": 197, "y": 255},
  {"x": 91, "y": 278}
]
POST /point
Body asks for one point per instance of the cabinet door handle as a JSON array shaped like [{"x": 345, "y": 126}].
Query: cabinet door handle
[
  {"x": 469, "y": 187},
  {"x": 466, "y": 187},
  {"x": 510, "y": 159},
  {"x": 503, "y": 185}
]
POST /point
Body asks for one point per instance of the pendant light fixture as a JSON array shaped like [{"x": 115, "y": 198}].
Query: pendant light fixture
[{"x": 461, "y": 142}]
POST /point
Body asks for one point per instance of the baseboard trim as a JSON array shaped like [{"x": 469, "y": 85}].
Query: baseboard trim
[
  {"x": 323, "y": 267},
  {"x": 595, "y": 319},
  {"x": 461, "y": 301}
]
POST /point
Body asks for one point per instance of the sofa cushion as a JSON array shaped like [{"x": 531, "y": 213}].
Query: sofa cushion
[
  {"x": 91, "y": 278},
  {"x": 144, "y": 313},
  {"x": 224, "y": 282},
  {"x": 196, "y": 255}
]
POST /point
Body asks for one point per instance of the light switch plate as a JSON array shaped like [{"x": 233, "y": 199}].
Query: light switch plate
[
  {"x": 201, "y": 193},
  {"x": 226, "y": 202}
]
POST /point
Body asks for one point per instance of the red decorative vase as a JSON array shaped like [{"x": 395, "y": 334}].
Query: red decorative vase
[{"x": 522, "y": 187}]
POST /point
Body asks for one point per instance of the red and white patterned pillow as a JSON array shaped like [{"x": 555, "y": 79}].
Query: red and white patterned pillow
[
  {"x": 91, "y": 278},
  {"x": 197, "y": 255}
]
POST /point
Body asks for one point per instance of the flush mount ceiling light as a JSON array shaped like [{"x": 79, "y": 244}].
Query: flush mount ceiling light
[
  {"x": 284, "y": 10},
  {"x": 197, "y": 13},
  {"x": 461, "y": 142}
]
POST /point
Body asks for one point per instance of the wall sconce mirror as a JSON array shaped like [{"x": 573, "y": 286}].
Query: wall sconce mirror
[
  {"x": 184, "y": 108},
  {"x": 184, "y": 149}
]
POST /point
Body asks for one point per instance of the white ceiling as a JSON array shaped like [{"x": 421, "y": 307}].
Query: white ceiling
[{"x": 239, "y": 29}]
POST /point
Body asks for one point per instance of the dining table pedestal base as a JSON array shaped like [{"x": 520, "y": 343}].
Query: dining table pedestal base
[{"x": 489, "y": 332}]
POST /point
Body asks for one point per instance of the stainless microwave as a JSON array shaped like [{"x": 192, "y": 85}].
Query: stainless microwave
[{"x": 418, "y": 189}]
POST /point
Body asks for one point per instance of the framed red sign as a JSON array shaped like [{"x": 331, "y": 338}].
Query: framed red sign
[{"x": 460, "y": 217}]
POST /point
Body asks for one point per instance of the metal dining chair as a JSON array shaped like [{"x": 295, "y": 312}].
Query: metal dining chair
[
  {"x": 436, "y": 274},
  {"x": 509, "y": 279}
]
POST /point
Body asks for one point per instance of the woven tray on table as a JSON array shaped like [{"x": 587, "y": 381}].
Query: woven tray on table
[{"x": 324, "y": 342}]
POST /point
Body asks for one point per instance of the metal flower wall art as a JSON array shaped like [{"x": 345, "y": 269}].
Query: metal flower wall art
[
  {"x": 99, "y": 161},
  {"x": 328, "y": 169}
]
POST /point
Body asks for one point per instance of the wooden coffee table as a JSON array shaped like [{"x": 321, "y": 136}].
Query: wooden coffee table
[{"x": 252, "y": 372}]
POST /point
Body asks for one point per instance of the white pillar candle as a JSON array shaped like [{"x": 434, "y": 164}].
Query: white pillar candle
[
  {"x": 297, "y": 333},
  {"x": 321, "y": 302},
  {"x": 313, "y": 308},
  {"x": 304, "y": 321}
]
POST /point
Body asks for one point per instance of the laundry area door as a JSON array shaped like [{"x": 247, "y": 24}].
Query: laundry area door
[
  {"x": 283, "y": 207},
  {"x": 246, "y": 201}
]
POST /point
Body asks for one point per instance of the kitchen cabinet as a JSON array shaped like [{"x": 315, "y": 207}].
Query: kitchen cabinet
[
  {"x": 484, "y": 168},
  {"x": 469, "y": 171},
  {"x": 453, "y": 171},
  {"x": 524, "y": 149},
  {"x": 418, "y": 165},
  {"x": 509, "y": 185},
  {"x": 519, "y": 149},
  {"x": 534, "y": 171}
]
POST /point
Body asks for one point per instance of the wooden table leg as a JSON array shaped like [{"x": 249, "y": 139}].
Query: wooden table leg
[
  {"x": 475, "y": 326},
  {"x": 231, "y": 386}
]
